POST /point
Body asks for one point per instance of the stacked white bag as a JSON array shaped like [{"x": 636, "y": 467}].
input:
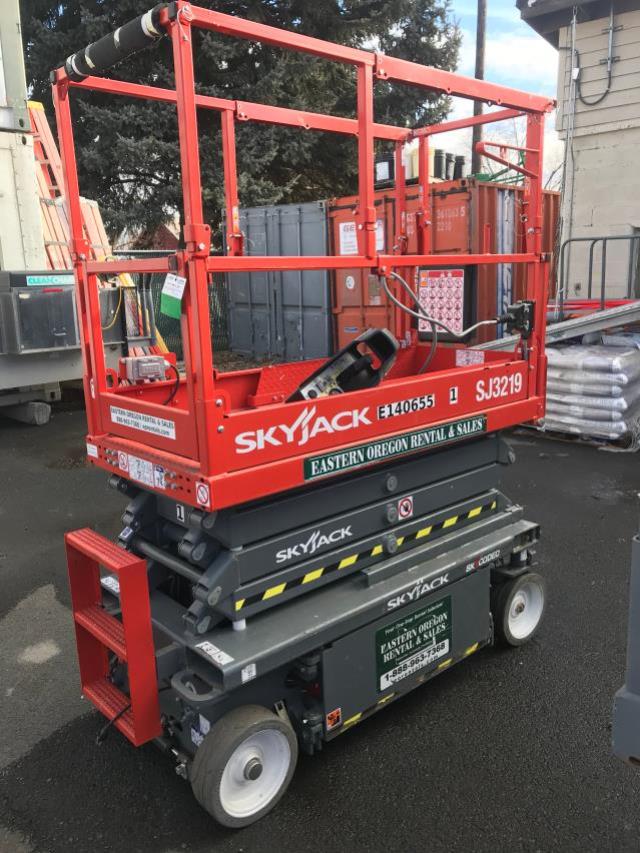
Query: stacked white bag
[{"x": 594, "y": 390}]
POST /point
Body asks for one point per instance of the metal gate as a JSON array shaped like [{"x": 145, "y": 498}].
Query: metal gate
[{"x": 282, "y": 314}]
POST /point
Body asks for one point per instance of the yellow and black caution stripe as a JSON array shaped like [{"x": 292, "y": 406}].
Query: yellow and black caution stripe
[
  {"x": 351, "y": 721},
  {"x": 445, "y": 664},
  {"x": 418, "y": 537}
]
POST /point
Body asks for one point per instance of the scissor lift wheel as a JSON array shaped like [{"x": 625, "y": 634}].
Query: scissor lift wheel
[
  {"x": 518, "y": 607},
  {"x": 244, "y": 765}
]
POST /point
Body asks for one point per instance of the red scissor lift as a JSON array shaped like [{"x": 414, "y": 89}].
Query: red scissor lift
[{"x": 225, "y": 472}]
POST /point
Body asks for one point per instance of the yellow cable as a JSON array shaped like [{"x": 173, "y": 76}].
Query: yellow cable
[{"x": 117, "y": 312}]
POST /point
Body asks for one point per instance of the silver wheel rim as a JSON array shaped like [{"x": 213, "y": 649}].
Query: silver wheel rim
[
  {"x": 241, "y": 796},
  {"x": 525, "y": 610}
]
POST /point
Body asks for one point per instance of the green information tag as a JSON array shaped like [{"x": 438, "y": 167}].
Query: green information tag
[
  {"x": 171, "y": 296},
  {"x": 388, "y": 448},
  {"x": 413, "y": 643}
]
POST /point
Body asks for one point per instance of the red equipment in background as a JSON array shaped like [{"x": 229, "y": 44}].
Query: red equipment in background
[
  {"x": 217, "y": 441},
  {"x": 468, "y": 216}
]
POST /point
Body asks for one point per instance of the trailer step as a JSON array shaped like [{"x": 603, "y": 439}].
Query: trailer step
[
  {"x": 103, "y": 627},
  {"x": 136, "y": 715},
  {"x": 114, "y": 704}
]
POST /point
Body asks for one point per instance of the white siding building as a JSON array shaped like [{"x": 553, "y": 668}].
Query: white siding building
[{"x": 599, "y": 120}]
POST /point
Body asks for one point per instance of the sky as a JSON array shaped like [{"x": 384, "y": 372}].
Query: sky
[{"x": 515, "y": 56}]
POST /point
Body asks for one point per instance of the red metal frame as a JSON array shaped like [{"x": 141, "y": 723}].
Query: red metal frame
[
  {"x": 195, "y": 449},
  {"x": 137, "y": 715},
  {"x": 483, "y": 146}
]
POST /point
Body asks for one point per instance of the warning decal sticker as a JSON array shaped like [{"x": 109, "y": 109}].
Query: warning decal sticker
[
  {"x": 441, "y": 294},
  {"x": 216, "y": 654},
  {"x": 140, "y": 470},
  {"x": 203, "y": 495},
  {"x": 333, "y": 719},
  {"x": 405, "y": 507},
  {"x": 412, "y": 643}
]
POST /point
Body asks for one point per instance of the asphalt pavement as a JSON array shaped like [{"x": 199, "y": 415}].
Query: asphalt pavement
[{"x": 509, "y": 751}]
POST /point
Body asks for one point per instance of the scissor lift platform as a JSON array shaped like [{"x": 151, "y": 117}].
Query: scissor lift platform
[{"x": 289, "y": 564}]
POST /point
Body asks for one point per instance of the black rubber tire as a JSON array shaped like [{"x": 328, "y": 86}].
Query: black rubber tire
[
  {"x": 217, "y": 748},
  {"x": 501, "y": 599}
]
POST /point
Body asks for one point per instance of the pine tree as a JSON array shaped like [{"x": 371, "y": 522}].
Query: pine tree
[{"x": 127, "y": 150}]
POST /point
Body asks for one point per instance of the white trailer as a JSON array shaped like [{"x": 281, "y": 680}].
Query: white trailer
[{"x": 39, "y": 345}]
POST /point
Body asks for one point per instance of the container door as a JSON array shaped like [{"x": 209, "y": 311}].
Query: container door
[
  {"x": 452, "y": 218},
  {"x": 282, "y": 314},
  {"x": 274, "y": 280},
  {"x": 348, "y": 283},
  {"x": 359, "y": 300},
  {"x": 302, "y": 303},
  {"x": 505, "y": 240},
  {"x": 249, "y": 320},
  {"x": 378, "y": 311},
  {"x": 485, "y": 230}
]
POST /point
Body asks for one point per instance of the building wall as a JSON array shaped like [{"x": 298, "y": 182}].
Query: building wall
[{"x": 604, "y": 162}]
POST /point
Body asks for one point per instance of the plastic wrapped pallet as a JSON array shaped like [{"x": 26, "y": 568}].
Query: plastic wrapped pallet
[
  {"x": 619, "y": 403},
  {"x": 598, "y": 359},
  {"x": 582, "y": 386},
  {"x": 594, "y": 391},
  {"x": 611, "y": 430},
  {"x": 588, "y": 413},
  {"x": 612, "y": 384}
]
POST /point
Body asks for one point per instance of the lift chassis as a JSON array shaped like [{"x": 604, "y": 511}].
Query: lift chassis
[
  {"x": 293, "y": 561},
  {"x": 346, "y": 612}
]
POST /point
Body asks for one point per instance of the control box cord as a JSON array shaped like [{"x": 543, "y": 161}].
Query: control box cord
[{"x": 421, "y": 314}]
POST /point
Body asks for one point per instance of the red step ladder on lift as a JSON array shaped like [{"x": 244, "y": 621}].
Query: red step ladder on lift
[{"x": 137, "y": 716}]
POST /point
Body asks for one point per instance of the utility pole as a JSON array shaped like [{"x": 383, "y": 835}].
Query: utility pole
[{"x": 481, "y": 26}]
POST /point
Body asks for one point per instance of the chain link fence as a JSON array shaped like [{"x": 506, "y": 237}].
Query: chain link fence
[{"x": 168, "y": 327}]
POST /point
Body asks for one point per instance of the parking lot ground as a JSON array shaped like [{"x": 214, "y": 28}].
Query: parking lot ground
[{"x": 509, "y": 751}]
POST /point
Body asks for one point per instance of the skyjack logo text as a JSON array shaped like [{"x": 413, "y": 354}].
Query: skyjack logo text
[
  {"x": 305, "y": 427},
  {"x": 317, "y": 540},
  {"x": 422, "y": 587}
]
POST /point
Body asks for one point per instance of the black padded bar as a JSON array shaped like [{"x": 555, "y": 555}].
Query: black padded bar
[{"x": 112, "y": 48}]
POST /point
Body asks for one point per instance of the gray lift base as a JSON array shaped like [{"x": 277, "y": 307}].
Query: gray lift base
[{"x": 396, "y": 588}]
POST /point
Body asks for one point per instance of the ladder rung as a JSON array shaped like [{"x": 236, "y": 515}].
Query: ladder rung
[
  {"x": 110, "y": 701},
  {"x": 102, "y": 550},
  {"x": 103, "y": 627},
  {"x": 86, "y": 551}
]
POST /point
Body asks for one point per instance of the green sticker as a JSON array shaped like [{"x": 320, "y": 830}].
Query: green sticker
[
  {"x": 171, "y": 296},
  {"x": 412, "y": 643},
  {"x": 397, "y": 445}
]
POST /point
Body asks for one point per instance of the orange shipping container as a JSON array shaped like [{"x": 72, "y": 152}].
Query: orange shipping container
[{"x": 469, "y": 216}]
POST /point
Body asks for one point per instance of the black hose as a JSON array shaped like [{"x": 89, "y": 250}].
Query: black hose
[
  {"x": 176, "y": 385},
  {"x": 432, "y": 350},
  {"x": 114, "y": 47},
  {"x": 421, "y": 314},
  {"x": 595, "y": 101},
  {"x": 434, "y": 328},
  {"x": 104, "y": 731}
]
